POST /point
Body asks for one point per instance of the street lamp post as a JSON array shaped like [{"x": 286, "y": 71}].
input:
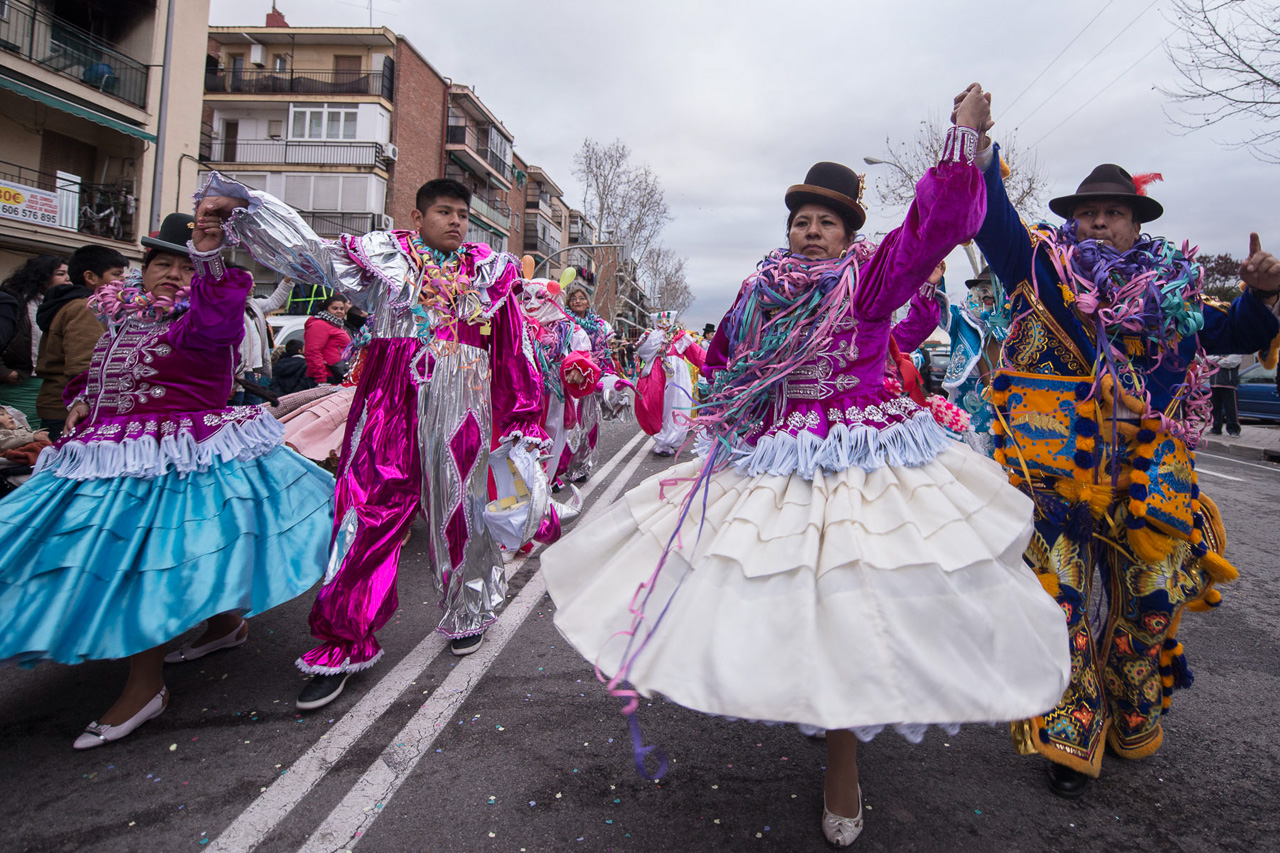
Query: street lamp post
[{"x": 547, "y": 260}]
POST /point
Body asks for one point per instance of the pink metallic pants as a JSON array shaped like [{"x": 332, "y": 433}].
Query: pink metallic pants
[{"x": 378, "y": 493}]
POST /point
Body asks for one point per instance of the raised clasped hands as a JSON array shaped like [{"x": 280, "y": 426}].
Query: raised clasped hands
[
  {"x": 211, "y": 212},
  {"x": 1261, "y": 270},
  {"x": 972, "y": 108}
]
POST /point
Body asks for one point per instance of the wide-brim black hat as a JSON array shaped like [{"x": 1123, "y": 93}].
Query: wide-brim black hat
[
  {"x": 1110, "y": 181},
  {"x": 173, "y": 235},
  {"x": 831, "y": 185},
  {"x": 984, "y": 277}
]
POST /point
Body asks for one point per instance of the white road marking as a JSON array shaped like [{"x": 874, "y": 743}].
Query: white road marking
[
  {"x": 266, "y": 812},
  {"x": 1236, "y": 461},
  {"x": 368, "y": 797},
  {"x": 1203, "y": 470}
]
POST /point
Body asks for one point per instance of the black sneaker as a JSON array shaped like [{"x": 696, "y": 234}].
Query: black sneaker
[
  {"x": 320, "y": 691},
  {"x": 463, "y": 646},
  {"x": 1216, "y": 431}
]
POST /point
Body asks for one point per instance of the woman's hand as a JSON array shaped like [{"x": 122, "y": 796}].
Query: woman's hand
[
  {"x": 973, "y": 109},
  {"x": 12, "y": 377},
  {"x": 210, "y": 214},
  {"x": 78, "y": 412}
]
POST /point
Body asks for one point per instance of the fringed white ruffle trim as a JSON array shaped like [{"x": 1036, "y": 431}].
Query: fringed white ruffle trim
[
  {"x": 146, "y": 458},
  {"x": 909, "y": 443},
  {"x": 345, "y": 666}
]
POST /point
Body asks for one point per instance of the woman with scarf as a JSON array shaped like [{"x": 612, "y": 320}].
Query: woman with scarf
[
  {"x": 834, "y": 560},
  {"x": 161, "y": 507},
  {"x": 20, "y": 296},
  {"x": 324, "y": 339},
  {"x": 583, "y": 438}
]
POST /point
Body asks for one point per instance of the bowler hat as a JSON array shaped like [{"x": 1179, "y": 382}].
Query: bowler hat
[
  {"x": 1109, "y": 181},
  {"x": 173, "y": 235},
  {"x": 984, "y": 277},
  {"x": 831, "y": 185}
]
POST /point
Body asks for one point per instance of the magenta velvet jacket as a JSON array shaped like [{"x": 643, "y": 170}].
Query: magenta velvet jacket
[
  {"x": 157, "y": 394},
  {"x": 834, "y": 411}
]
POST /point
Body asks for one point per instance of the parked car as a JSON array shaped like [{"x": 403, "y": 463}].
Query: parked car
[
  {"x": 1257, "y": 393},
  {"x": 287, "y": 327},
  {"x": 939, "y": 358}
]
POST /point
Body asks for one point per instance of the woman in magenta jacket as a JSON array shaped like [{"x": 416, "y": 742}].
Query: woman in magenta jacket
[{"x": 325, "y": 339}]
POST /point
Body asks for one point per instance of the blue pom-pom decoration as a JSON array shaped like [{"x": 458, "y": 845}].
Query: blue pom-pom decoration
[
  {"x": 1083, "y": 459},
  {"x": 1086, "y": 427}
]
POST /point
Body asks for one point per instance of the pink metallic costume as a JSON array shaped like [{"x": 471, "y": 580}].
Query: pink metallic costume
[
  {"x": 449, "y": 367},
  {"x": 664, "y": 392}
]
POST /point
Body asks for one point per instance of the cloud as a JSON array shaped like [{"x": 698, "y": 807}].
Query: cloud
[{"x": 731, "y": 103}]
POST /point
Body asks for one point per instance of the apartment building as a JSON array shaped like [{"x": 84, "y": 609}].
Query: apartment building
[
  {"x": 544, "y": 212},
  {"x": 342, "y": 123},
  {"x": 83, "y": 117},
  {"x": 478, "y": 151}
]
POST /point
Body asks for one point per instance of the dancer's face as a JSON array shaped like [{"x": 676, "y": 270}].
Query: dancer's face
[
  {"x": 166, "y": 274},
  {"x": 1109, "y": 221},
  {"x": 818, "y": 232},
  {"x": 443, "y": 225}
]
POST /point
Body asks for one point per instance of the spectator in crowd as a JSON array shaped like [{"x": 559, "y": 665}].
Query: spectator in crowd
[
  {"x": 290, "y": 372},
  {"x": 15, "y": 434},
  {"x": 356, "y": 318},
  {"x": 326, "y": 337},
  {"x": 255, "y": 347},
  {"x": 70, "y": 329},
  {"x": 1222, "y": 387},
  {"x": 20, "y": 297}
]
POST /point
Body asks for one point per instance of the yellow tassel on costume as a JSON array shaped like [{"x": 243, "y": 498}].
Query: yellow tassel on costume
[
  {"x": 1049, "y": 580},
  {"x": 1150, "y": 546},
  {"x": 1272, "y": 355},
  {"x": 1097, "y": 495},
  {"x": 1210, "y": 599},
  {"x": 1217, "y": 567}
]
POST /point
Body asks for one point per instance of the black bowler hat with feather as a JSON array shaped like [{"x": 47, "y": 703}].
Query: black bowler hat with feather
[
  {"x": 831, "y": 185},
  {"x": 1110, "y": 181}
]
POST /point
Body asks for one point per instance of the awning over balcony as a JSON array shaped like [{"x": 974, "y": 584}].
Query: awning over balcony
[{"x": 61, "y": 104}]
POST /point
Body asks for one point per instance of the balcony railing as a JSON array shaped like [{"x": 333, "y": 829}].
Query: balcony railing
[
  {"x": 540, "y": 247},
  {"x": 104, "y": 210},
  {"x": 60, "y": 46},
  {"x": 469, "y": 136},
  {"x": 258, "y": 82},
  {"x": 334, "y": 223},
  {"x": 260, "y": 152}
]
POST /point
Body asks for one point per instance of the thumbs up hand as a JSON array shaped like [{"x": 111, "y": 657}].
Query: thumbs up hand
[{"x": 1260, "y": 270}]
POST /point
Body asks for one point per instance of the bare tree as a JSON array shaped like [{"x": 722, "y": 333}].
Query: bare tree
[
  {"x": 628, "y": 206},
  {"x": 1221, "y": 276},
  {"x": 663, "y": 273},
  {"x": 910, "y": 159},
  {"x": 1229, "y": 61}
]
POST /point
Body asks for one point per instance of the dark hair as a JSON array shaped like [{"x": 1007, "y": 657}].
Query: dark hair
[
  {"x": 441, "y": 187},
  {"x": 94, "y": 259},
  {"x": 850, "y": 228},
  {"x": 29, "y": 280},
  {"x": 329, "y": 300},
  {"x": 293, "y": 347}
]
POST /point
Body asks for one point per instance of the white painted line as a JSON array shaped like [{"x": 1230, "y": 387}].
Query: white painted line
[
  {"x": 351, "y": 819},
  {"x": 1202, "y": 470},
  {"x": 370, "y": 795},
  {"x": 1236, "y": 461},
  {"x": 266, "y": 812}
]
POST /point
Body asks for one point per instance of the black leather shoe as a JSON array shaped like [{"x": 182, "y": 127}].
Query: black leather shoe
[
  {"x": 464, "y": 646},
  {"x": 1066, "y": 782},
  {"x": 320, "y": 691}
]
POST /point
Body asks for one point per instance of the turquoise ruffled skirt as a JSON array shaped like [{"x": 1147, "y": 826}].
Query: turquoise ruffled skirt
[{"x": 108, "y": 568}]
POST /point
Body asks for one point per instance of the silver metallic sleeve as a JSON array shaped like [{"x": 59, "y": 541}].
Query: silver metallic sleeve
[{"x": 276, "y": 236}]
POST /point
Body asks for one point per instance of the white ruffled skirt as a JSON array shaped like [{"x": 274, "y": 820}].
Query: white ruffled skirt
[{"x": 854, "y": 600}]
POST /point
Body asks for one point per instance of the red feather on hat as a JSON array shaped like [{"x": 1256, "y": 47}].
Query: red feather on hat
[{"x": 1140, "y": 182}]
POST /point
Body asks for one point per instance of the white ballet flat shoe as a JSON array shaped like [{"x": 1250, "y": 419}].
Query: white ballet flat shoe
[
  {"x": 842, "y": 831},
  {"x": 96, "y": 734},
  {"x": 188, "y": 652}
]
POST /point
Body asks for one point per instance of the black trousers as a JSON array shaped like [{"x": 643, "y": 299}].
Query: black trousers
[{"x": 1224, "y": 409}]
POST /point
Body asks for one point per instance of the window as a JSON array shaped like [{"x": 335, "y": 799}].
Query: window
[
  {"x": 322, "y": 121},
  {"x": 280, "y": 62},
  {"x": 347, "y": 193}
]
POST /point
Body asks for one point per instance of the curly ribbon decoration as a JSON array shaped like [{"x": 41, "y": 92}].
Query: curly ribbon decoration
[{"x": 117, "y": 302}]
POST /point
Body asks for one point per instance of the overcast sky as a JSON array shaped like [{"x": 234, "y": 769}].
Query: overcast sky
[{"x": 731, "y": 102}]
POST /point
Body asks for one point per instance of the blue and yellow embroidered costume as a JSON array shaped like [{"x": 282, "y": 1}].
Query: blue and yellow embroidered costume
[{"x": 1098, "y": 436}]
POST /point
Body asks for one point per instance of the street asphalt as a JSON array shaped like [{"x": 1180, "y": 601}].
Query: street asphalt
[{"x": 519, "y": 748}]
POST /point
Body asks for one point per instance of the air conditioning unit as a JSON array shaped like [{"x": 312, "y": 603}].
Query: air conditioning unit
[
  {"x": 257, "y": 55},
  {"x": 383, "y": 222},
  {"x": 390, "y": 152}
]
